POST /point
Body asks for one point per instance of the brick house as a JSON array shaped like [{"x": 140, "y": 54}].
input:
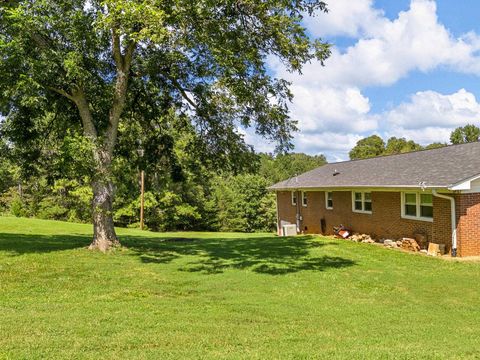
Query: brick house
[{"x": 435, "y": 193}]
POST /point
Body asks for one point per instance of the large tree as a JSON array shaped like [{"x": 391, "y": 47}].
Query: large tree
[
  {"x": 466, "y": 134},
  {"x": 97, "y": 64},
  {"x": 400, "y": 145},
  {"x": 368, "y": 147},
  {"x": 284, "y": 166}
]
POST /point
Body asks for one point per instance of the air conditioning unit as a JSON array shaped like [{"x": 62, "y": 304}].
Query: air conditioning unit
[{"x": 289, "y": 230}]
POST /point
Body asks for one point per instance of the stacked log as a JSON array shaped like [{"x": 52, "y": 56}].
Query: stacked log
[
  {"x": 421, "y": 240},
  {"x": 409, "y": 245}
]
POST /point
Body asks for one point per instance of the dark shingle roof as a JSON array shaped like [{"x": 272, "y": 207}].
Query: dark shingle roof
[{"x": 439, "y": 168}]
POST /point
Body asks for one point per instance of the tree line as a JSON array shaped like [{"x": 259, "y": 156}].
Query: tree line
[
  {"x": 374, "y": 145},
  {"x": 182, "y": 193},
  {"x": 185, "y": 188}
]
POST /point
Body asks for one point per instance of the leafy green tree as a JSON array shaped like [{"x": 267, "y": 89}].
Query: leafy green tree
[
  {"x": 285, "y": 166},
  {"x": 465, "y": 134},
  {"x": 8, "y": 170},
  {"x": 435, "y": 145},
  {"x": 244, "y": 204},
  {"x": 400, "y": 145},
  {"x": 368, "y": 147},
  {"x": 89, "y": 66}
]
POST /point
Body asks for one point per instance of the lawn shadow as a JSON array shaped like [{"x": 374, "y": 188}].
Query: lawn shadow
[
  {"x": 265, "y": 255},
  {"x": 18, "y": 244},
  {"x": 208, "y": 255}
]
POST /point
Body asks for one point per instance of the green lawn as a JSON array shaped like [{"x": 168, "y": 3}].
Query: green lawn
[{"x": 217, "y": 295}]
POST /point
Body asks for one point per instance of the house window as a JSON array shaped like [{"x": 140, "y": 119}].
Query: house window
[
  {"x": 426, "y": 205},
  {"x": 417, "y": 206},
  {"x": 294, "y": 198},
  {"x": 362, "y": 202},
  {"x": 329, "y": 200},
  {"x": 304, "y": 198},
  {"x": 411, "y": 204}
]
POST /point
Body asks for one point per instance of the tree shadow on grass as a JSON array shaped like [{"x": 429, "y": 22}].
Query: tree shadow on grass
[
  {"x": 265, "y": 255},
  {"x": 208, "y": 255},
  {"x": 18, "y": 244}
]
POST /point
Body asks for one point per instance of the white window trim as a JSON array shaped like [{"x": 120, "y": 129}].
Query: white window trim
[
  {"x": 326, "y": 200},
  {"x": 294, "y": 196},
  {"x": 363, "y": 202},
  {"x": 304, "y": 196},
  {"x": 410, "y": 217}
]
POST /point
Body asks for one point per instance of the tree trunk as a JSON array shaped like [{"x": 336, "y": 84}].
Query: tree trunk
[{"x": 104, "y": 236}]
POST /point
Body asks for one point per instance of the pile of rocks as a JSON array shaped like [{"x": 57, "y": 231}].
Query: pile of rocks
[
  {"x": 404, "y": 244},
  {"x": 407, "y": 244},
  {"x": 390, "y": 243},
  {"x": 364, "y": 238}
]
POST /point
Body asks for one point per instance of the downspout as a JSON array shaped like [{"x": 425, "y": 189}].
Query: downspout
[
  {"x": 453, "y": 220},
  {"x": 279, "y": 228},
  {"x": 298, "y": 216}
]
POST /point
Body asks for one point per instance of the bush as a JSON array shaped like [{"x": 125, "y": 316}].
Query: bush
[{"x": 17, "y": 207}]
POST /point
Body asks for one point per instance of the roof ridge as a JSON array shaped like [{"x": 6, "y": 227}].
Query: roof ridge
[
  {"x": 449, "y": 163},
  {"x": 406, "y": 153}
]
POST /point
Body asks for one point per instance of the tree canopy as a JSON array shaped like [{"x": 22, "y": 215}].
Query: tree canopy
[
  {"x": 368, "y": 147},
  {"x": 465, "y": 134},
  {"x": 375, "y": 146},
  {"x": 400, "y": 145}
]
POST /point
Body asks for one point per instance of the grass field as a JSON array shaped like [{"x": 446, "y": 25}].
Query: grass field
[{"x": 227, "y": 296}]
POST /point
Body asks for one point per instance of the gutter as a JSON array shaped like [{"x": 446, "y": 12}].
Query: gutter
[
  {"x": 453, "y": 219},
  {"x": 355, "y": 187}
]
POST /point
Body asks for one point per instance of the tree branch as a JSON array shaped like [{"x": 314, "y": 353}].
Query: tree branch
[
  {"x": 84, "y": 108},
  {"x": 61, "y": 92},
  {"x": 179, "y": 87},
  {"x": 79, "y": 98},
  {"x": 127, "y": 59},
  {"x": 116, "y": 49},
  {"x": 183, "y": 92},
  {"x": 123, "y": 62}
]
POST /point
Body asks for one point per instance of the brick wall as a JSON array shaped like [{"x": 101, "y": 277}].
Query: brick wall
[
  {"x": 468, "y": 224},
  {"x": 384, "y": 222},
  {"x": 442, "y": 222},
  {"x": 286, "y": 211}
]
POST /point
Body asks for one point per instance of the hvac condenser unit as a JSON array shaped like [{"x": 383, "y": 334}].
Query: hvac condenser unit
[{"x": 289, "y": 230}]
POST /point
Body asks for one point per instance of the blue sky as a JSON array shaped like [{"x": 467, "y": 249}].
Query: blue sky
[
  {"x": 459, "y": 18},
  {"x": 405, "y": 68}
]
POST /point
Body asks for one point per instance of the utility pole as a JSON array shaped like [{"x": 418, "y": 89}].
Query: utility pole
[{"x": 142, "y": 197}]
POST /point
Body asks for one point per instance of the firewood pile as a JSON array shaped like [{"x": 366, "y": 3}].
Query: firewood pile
[{"x": 409, "y": 245}]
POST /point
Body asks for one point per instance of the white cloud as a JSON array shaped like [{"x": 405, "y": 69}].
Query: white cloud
[
  {"x": 321, "y": 109},
  {"x": 332, "y": 111},
  {"x": 427, "y": 117},
  {"x": 332, "y": 144},
  {"x": 388, "y": 49},
  {"x": 430, "y": 116},
  {"x": 259, "y": 143},
  {"x": 345, "y": 17},
  {"x": 335, "y": 145}
]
